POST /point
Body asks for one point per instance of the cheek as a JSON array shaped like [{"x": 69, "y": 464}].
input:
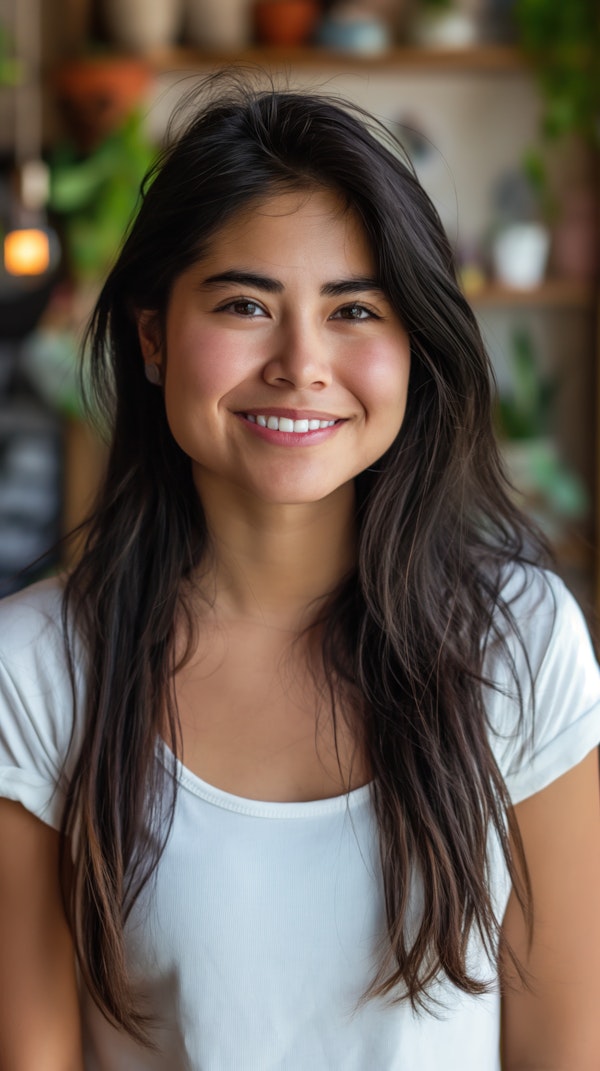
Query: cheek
[
  {"x": 201, "y": 363},
  {"x": 384, "y": 375}
]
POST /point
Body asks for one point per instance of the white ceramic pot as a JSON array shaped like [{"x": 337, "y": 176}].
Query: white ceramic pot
[
  {"x": 520, "y": 255},
  {"x": 139, "y": 26},
  {"x": 445, "y": 29},
  {"x": 219, "y": 24}
]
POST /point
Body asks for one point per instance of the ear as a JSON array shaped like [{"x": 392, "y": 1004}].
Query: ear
[{"x": 150, "y": 336}]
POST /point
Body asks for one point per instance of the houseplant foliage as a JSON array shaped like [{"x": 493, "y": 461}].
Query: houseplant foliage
[
  {"x": 97, "y": 170},
  {"x": 524, "y": 414},
  {"x": 562, "y": 40},
  {"x": 97, "y": 193}
]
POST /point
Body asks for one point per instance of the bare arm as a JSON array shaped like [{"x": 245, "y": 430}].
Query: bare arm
[
  {"x": 555, "y": 1026},
  {"x": 39, "y": 1009}
]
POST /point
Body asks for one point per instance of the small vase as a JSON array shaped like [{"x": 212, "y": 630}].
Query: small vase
[
  {"x": 138, "y": 26},
  {"x": 355, "y": 30},
  {"x": 219, "y": 24}
]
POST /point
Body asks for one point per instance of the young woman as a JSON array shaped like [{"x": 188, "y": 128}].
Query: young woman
[{"x": 298, "y": 763}]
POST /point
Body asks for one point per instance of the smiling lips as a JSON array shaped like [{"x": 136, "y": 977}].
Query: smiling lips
[{"x": 298, "y": 427}]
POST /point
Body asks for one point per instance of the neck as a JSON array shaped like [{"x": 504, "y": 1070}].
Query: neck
[{"x": 276, "y": 563}]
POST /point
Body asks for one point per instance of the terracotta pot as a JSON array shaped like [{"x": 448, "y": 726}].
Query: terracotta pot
[
  {"x": 285, "y": 22},
  {"x": 96, "y": 94}
]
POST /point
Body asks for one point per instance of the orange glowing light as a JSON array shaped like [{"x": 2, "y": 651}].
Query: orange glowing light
[{"x": 26, "y": 252}]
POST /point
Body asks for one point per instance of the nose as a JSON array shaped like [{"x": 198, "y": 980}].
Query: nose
[{"x": 300, "y": 359}]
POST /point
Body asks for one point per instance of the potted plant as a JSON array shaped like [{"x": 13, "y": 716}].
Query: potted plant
[
  {"x": 96, "y": 172},
  {"x": 523, "y": 211}
]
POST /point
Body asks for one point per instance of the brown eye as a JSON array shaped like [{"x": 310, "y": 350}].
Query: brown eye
[
  {"x": 355, "y": 312},
  {"x": 246, "y": 308}
]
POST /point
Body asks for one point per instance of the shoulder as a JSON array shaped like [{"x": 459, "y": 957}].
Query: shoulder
[
  {"x": 33, "y": 651},
  {"x": 533, "y": 594},
  {"x": 39, "y": 728},
  {"x": 31, "y": 617},
  {"x": 537, "y": 618},
  {"x": 543, "y": 692}
]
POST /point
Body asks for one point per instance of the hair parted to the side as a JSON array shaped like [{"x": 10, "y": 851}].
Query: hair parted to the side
[{"x": 406, "y": 632}]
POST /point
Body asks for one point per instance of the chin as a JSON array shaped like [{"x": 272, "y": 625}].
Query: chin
[{"x": 298, "y": 495}]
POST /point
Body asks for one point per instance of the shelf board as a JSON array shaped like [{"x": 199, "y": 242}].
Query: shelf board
[
  {"x": 560, "y": 293},
  {"x": 482, "y": 58}
]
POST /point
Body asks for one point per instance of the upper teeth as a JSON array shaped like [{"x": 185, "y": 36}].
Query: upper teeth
[{"x": 285, "y": 424}]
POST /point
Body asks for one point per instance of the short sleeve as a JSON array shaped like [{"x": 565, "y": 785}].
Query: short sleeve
[
  {"x": 36, "y": 702},
  {"x": 558, "y": 722}
]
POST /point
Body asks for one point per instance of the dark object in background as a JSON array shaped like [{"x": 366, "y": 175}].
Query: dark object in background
[
  {"x": 22, "y": 302},
  {"x": 30, "y": 479}
]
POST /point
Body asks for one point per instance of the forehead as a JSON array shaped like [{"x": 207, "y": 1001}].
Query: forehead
[{"x": 294, "y": 227}]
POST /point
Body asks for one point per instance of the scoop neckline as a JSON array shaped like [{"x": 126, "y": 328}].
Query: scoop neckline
[{"x": 227, "y": 801}]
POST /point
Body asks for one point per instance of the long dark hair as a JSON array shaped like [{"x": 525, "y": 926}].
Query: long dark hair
[{"x": 406, "y": 632}]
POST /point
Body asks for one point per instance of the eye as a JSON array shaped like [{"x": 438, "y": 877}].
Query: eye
[
  {"x": 243, "y": 307},
  {"x": 355, "y": 311}
]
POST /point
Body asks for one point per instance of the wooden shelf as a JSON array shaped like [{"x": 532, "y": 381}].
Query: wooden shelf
[
  {"x": 481, "y": 58},
  {"x": 558, "y": 293}
]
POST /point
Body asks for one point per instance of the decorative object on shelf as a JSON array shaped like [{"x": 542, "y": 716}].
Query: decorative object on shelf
[
  {"x": 551, "y": 491},
  {"x": 219, "y": 24},
  {"x": 520, "y": 255},
  {"x": 520, "y": 241},
  {"x": 285, "y": 22},
  {"x": 23, "y": 294},
  {"x": 140, "y": 27},
  {"x": 355, "y": 27},
  {"x": 444, "y": 24},
  {"x": 96, "y": 175},
  {"x": 31, "y": 247}
]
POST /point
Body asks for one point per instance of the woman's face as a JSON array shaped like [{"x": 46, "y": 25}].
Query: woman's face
[{"x": 285, "y": 368}]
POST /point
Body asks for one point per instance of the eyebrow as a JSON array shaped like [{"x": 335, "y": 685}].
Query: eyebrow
[
  {"x": 244, "y": 278},
  {"x": 335, "y": 288}
]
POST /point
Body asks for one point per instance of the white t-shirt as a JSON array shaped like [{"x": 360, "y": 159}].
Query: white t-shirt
[{"x": 256, "y": 941}]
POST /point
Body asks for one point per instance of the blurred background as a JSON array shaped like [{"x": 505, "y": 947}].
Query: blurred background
[{"x": 497, "y": 103}]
